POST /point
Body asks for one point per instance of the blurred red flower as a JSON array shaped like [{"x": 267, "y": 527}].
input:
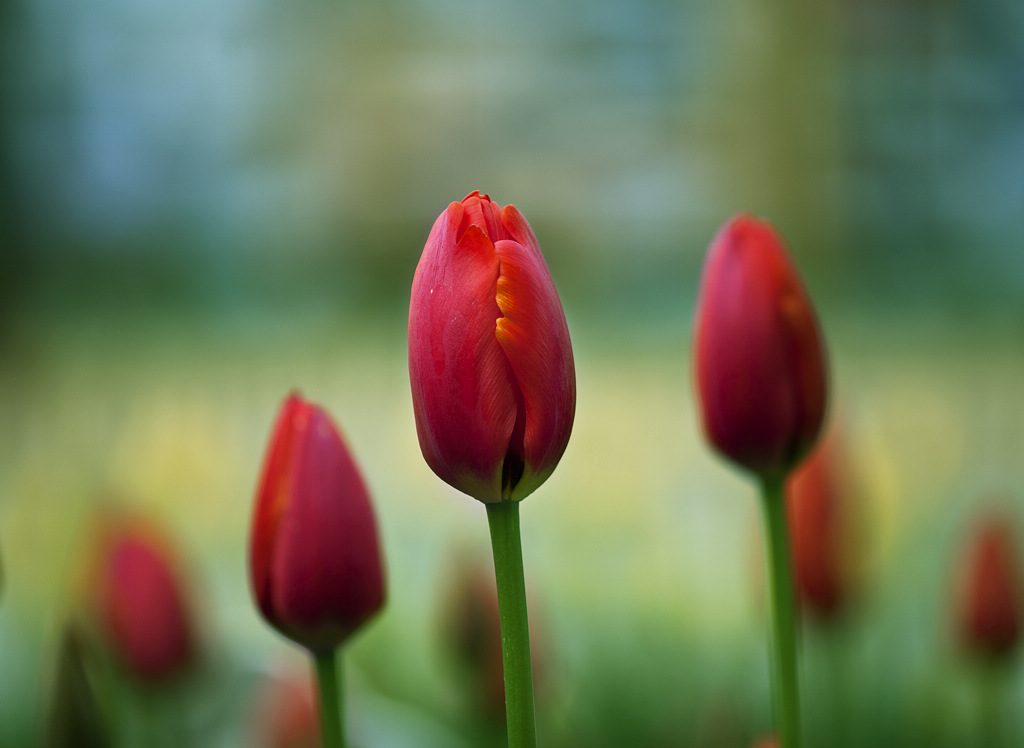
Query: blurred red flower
[
  {"x": 315, "y": 562},
  {"x": 143, "y": 610},
  {"x": 759, "y": 359},
  {"x": 988, "y": 607}
]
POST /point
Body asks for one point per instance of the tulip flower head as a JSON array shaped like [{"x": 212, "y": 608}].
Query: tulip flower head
[
  {"x": 143, "y": 610},
  {"x": 490, "y": 362},
  {"x": 819, "y": 522},
  {"x": 472, "y": 634},
  {"x": 990, "y": 604},
  {"x": 315, "y": 563},
  {"x": 286, "y": 714},
  {"x": 760, "y": 366}
]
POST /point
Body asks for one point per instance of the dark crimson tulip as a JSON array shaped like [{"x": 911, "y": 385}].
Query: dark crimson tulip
[
  {"x": 314, "y": 559},
  {"x": 988, "y": 611},
  {"x": 491, "y": 367},
  {"x": 760, "y": 365},
  {"x": 143, "y": 610},
  {"x": 818, "y": 511}
]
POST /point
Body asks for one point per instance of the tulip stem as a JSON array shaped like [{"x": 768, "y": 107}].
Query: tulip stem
[
  {"x": 785, "y": 694},
  {"x": 506, "y": 544},
  {"x": 329, "y": 688}
]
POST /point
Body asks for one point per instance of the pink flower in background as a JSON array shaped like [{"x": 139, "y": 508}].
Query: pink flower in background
[{"x": 490, "y": 362}]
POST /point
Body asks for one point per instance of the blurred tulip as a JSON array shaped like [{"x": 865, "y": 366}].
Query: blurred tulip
[
  {"x": 820, "y": 531},
  {"x": 760, "y": 364},
  {"x": 75, "y": 720},
  {"x": 315, "y": 563},
  {"x": 286, "y": 715},
  {"x": 989, "y": 603},
  {"x": 472, "y": 634},
  {"x": 490, "y": 362},
  {"x": 144, "y": 613}
]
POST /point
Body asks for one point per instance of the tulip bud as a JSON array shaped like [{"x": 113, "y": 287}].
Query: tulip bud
[
  {"x": 143, "y": 609},
  {"x": 817, "y": 507},
  {"x": 314, "y": 559},
  {"x": 760, "y": 365},
  {"x": 287, "y": 714},
  {"x": 491, "y": 366},
  {"x": 472, "y": 634},
  {"x": 75, "y": 718},
  {"x": 989, "y": 600}
]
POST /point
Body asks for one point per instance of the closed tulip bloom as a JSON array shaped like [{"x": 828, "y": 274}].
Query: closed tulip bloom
[
  {"x": 286, "y": 714},
  {"x": 760, "y": 365},
  {"x": 143, "y": 609},
  {"x": 990, "y": 605},
  {"x": 490, "y": 362},
  {"x": 315, "y": 563},
  {"x": 817, "y": 504}
]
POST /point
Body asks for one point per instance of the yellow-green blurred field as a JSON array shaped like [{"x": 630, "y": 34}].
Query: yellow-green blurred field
[
  {"x": 641, "y": 552},
  {"x": 204, "y": 206}
]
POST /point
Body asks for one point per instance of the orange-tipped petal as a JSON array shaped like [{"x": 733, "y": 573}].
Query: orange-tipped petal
[
  {"x": 490, "y": 362},
  {"x": 535, "y": 338}
]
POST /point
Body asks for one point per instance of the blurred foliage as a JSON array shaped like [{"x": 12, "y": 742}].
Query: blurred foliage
[{"x": 204, "y": 206}]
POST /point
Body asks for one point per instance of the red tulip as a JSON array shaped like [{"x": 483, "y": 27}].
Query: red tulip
[
  {"x": 315, "y": 563},
  {"x": 817, "y": 504},
  {"x": 759, "y": 358},
  {"x": 287, "y": 715},
  {"x": 989, "y": 604},
  {"x": 143, "y": 610},
  {"x": 75, "y": 717},
  {"x": 472, "y": 631},
  {"x": 493, "y": 383}
]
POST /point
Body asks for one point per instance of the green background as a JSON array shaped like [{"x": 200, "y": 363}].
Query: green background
[{"x": 204, "y": 206}]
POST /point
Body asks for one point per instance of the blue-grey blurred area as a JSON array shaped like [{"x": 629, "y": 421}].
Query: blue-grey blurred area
[
  {"x": 206, "y": 204},
  {"x": 244, "y": 156}
]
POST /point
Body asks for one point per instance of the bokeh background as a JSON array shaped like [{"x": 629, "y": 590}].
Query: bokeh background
[{"x": 206, "y": 205}]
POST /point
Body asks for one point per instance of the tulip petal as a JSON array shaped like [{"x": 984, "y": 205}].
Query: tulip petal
[
  {"x": 144, "y": 605},
  {"x": 272, "y": 497},
  {"x": 482, "y": 212},
  {"x": 463, "y": 390},
  {"x": 534, "y": 336},
  {"x": 323, "y": 589},
  {"x": 759, "y": 357}
]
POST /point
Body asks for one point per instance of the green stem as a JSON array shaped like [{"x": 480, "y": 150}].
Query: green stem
[
  {"x": 329, "y": 688},
  {"x": 780, "y": 585},
  {"x": 990, "y": 690},
  {"x": 503, "y": 518}
]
